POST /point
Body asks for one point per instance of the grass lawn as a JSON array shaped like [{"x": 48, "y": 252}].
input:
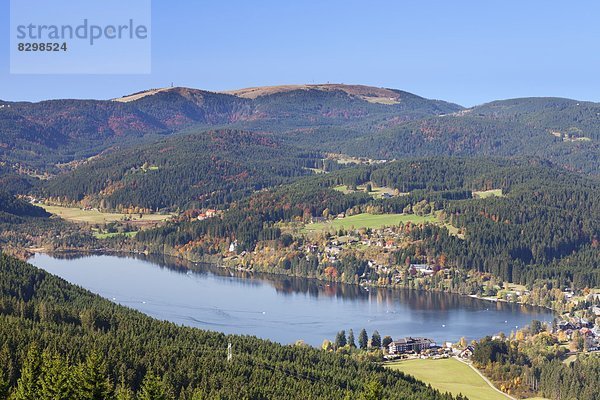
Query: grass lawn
[
  {"x": 449, "y": 375},
  {"x": 96, "y": 217},
  {"x": 488, "y": 193},
  {"x": 369, "y": 221}
]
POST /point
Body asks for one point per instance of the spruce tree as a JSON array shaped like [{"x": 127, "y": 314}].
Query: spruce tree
[
  {"x": 372, "y": 391},
  {"x": 55, "y": 383},
  {"x": 154, "y": 388},
  {"x": 91, "y": 382},
  {"x": 351, "y": 341},
  {"x": 4, "y": 385},
  {"x": 363, "y": 339},
  {"x": 29, "y": 382},
  {"x": 376, "y": 340},
  {"x": 197, "y": 395},
  {"x": 340, "y": 339},
  {"x": 124, "y": 393}
]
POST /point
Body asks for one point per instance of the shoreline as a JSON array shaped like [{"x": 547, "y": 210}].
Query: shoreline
[
  {"x": 439, "y": 303},
  {"x": 367, "y": 287}
]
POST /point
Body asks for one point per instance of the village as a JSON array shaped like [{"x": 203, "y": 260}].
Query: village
[{"x": 573, "y": 334}]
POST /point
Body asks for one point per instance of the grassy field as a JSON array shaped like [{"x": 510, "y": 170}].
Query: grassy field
[
  {"x": 449, "y": 375},
  {"x": 96, "y": 217},
  {"x": 99, "y": 235},
  {"x": 488, "y": 193},
  {"x": 342, "y": 188},
  {"x": 369, "y": 221},
  {"x": 376, "y": 192}
]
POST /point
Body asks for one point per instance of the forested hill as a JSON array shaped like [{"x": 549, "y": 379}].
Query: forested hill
[
  {"x": 544, "y": 224},
  {"x": 353, "y": 119},
  {"x": 565, "y": 118},
  {"x": 11, "y": 206},
  {"x": 61, "y": 340},
  {"x": 42, "y": 134},
  {"x": 567, "y": 134},
  {"x": 198, "y": 169}
]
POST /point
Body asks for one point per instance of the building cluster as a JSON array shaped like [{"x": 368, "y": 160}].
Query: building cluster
[
  {"x": 588, "y": 330},
  {"x": 210, "y": 213},
  {"x": 423, "y": 347},
  {"x": 387, "y": 240},
  {"x": 410, "y": 345}
]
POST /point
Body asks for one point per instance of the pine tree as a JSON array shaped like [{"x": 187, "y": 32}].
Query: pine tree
[
  {"x": 363, "y": 339},
  {"x": 55, "y": 383},
  {"x": 153, "y": 388},
  {"x": 91, "y": 382},
  {"x": 28, "y": 383},
  {"x": 351, "y": 341}
]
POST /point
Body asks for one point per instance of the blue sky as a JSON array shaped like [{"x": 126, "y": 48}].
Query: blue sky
[{"x": 467, "y": 52}]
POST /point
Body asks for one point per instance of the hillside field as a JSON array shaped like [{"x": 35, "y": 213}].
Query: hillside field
[
  {"x": 366, "y": 220},
  {"x": 488, "y": 193},
  {"x": 75, "y": 214},
  {"x": 449, "y": 375},
  {"x": 376, "y": 192}
]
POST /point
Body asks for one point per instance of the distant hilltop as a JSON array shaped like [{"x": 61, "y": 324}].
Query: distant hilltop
[{"x": 367, "y": 93}]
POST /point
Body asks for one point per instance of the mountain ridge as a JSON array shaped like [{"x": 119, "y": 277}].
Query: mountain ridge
[
  {"x": 358, "y": 120},
  {"x": 63, "y": 130}
]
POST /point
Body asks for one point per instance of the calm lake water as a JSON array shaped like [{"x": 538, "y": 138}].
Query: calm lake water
[{"x": 282, "y": 309}]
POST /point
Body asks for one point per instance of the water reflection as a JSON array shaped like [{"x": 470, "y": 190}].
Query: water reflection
[
  {"x": 417, "y": 300},
  {"x": 280, "y": 308}
]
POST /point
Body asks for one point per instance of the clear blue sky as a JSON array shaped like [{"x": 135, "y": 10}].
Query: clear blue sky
[{"x": 467, "y": 52}]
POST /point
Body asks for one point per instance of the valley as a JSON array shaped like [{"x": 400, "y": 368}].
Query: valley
[{"x": 364, "y": 207}]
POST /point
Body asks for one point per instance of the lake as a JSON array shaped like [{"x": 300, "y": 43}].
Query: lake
[{"x": 280, "y": 308}]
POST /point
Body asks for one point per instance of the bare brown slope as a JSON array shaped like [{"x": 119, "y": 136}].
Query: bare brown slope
[{"x": 368, "y": 93}]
